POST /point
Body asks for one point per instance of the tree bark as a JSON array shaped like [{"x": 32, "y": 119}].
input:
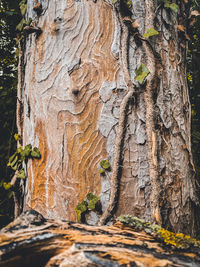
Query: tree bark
[
  {"x": 32, "y": 240},
  {"x": 82, "y": 104}
]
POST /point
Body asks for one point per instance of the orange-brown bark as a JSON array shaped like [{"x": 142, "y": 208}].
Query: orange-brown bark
[
  {"x": 31, "y": 240},
  {"x": 82, "y": 104}
]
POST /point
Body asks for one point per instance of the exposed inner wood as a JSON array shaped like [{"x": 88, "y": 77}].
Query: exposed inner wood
[{"x": 33, "y": 241}]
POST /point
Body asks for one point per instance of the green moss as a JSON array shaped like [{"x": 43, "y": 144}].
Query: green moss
[
  {"x": 138, "y": 223},
  {"x": 172, "y": 6},
  {"x": 179, "y": 240}
]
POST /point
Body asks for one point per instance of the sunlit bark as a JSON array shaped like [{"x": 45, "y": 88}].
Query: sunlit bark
[{"x": 82, "y": 104}]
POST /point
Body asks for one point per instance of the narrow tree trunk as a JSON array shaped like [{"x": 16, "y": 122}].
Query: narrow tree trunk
[{"x": 82, "y": 105}]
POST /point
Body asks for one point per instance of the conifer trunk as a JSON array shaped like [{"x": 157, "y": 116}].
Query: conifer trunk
[{"x": 82, "y": 104}]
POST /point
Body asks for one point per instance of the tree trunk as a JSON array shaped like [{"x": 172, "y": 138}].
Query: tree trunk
[{"x": 82, "y": 104}]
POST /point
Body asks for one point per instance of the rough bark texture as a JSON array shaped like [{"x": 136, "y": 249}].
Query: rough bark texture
[
  {"x": 33, "y": 241},
  {"x": 82, "y": 104}
]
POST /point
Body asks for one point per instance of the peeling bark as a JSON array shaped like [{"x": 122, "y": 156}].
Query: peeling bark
[{"x": 81, "y": 104}]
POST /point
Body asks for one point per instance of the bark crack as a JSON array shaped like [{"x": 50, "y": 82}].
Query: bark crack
[{"x": 117, "y": 166}]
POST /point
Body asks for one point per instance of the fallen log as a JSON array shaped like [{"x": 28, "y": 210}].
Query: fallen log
[{"x": 31, "y": 240}]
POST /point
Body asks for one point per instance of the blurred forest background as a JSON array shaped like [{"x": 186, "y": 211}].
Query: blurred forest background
[{"x": 11, "y": 13}]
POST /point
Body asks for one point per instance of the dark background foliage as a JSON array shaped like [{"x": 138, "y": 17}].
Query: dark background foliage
[
  {"x": 193, "y": 69},
  {"x": 10, "y": 16}
]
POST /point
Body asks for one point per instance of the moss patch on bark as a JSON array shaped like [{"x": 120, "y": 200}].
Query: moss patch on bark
[{"x": 177, "y": 240}]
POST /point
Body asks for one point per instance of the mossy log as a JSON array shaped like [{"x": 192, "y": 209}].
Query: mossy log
[{"x": 31, "y": 240}]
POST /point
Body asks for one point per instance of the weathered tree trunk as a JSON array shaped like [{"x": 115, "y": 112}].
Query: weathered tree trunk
[
  {"x": 33, "y": 241},
  {"x": 82, "y": 104}
]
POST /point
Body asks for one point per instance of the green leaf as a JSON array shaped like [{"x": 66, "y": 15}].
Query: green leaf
[
  {"x": 114, "y": 1},
  {"x": 21, "y": 25},
  {"x": 35, "y": 153},
  {"x": 92, "y": 204},
  {"x": 21, "y": 174},
  {"x": 80, "y": 209},
  {"x": 173, "y": 6},
  {"x": 23, "y": 8},
  {"x": 28, "y": 22},
  {"x": 10, "y": 194},
  {"x": 28, "y": 147},
  {"x": 90, "y": 196},
  {"x": 22, "y": 2},
  {"x": 101, "y": 171},
  {"x": 128, "y": 3},
  {"x": 7, "y": 185},
  {"x": 105, "y": 164},
  {"x": 13, "y": 161},
  {"x": 141, "y": 73},
  {"x": 82, "y": 206},
  {"x": 16, "y": 136},
  {"x": 26, "y": 152},
  {"x": 150, "y": 32},
  {"x": 78, "y": 214},
  {"x": 92, "y": 201},
  {"x": 19, "y": 150}
]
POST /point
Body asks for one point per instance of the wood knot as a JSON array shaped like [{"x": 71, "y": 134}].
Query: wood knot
[
  {"x": 56, "y": 26},
  {"x": 75, "y": 92},
  {"x": 57, "y": 20}
]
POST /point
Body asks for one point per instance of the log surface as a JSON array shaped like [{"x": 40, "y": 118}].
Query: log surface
[{"x": 32, "y": 240}]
